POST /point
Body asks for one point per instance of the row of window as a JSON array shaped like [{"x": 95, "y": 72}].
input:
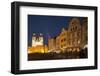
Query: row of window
[
  {"x": 73, "y": 29},
  {"x": 63, "y": 40},
  {"x": 64, "y": 45}
]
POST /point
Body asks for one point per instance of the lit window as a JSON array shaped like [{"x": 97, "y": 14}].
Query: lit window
[{"x": 78, "y": 41}]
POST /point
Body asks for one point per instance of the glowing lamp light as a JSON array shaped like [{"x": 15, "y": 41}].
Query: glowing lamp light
[
  {"x": 78, "y": 41},
  {"x": 42, "y": 51}
]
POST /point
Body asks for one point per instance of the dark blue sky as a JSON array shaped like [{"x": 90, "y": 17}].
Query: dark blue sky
[{"x": 49, "y": 26}]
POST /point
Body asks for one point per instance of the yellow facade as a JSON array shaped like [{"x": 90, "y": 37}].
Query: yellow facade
[
  {"x": 58, "y": 42},
  {"x": 38, "y": 49},
  {"x": 63, "y": 39},
  {"x": 51, "y": 44}
]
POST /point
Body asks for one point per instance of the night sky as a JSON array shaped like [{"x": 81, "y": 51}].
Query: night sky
[{"x": 49, "y": 26}]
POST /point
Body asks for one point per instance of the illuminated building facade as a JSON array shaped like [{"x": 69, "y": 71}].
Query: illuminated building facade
[
  {"x": 73, "y": 38},
  {"x": 74, "y": 35},
  {"x": 57, "y": 42},
  {"x": 38, "y": 44},
  {"x": 63, "y": 39},
  {"x": 84, "y": 32},
  {"x": 51, "y": 44},
  {"x": 37, "y": 40}
]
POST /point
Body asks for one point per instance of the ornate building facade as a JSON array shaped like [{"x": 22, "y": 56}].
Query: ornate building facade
[
  {"x": 63, "y": 39},
  {"x": 73, "y": 38},
  {"x": 74, "y": 35},
  {"x": 37, "y": 39},
  {"x": 38, "y": 44}
]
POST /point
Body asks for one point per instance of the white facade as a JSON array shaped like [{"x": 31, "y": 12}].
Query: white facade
[{"x": 37, "y": 40}]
